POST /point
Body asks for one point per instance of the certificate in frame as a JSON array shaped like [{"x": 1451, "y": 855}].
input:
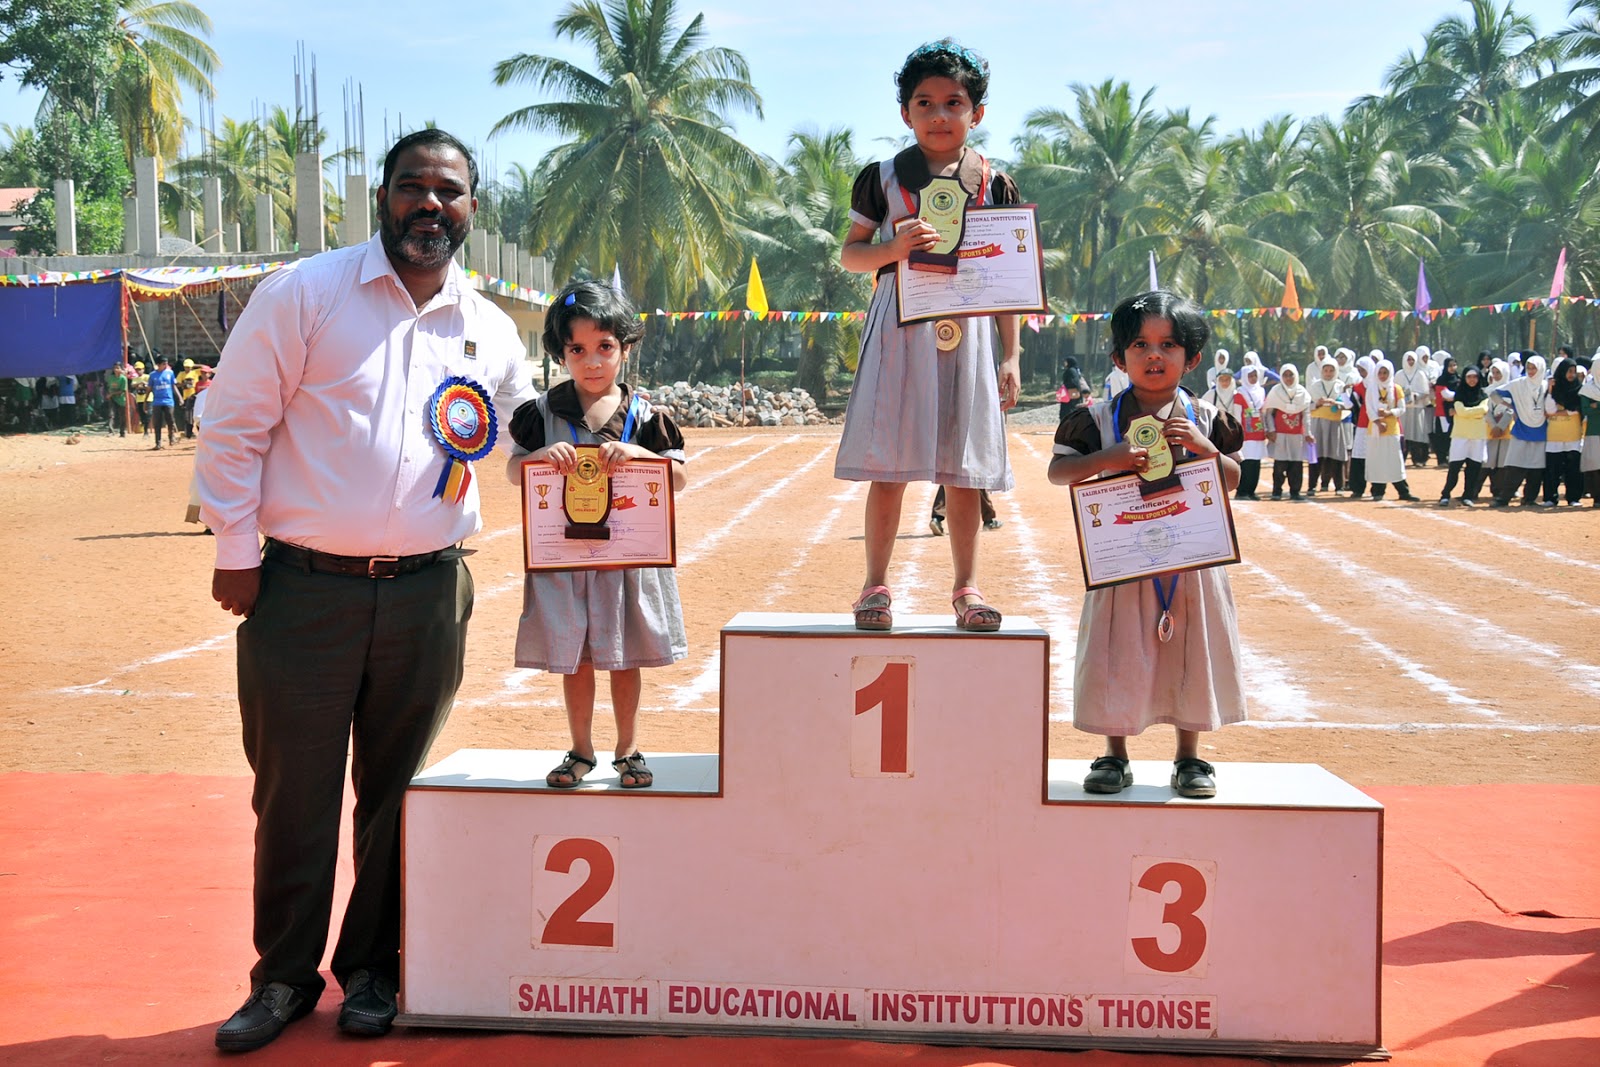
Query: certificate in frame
[
  {"x": 1125, "y": 537},
  {"x": 1000, "y": 272},
  {"x": 642, "y": 521}
]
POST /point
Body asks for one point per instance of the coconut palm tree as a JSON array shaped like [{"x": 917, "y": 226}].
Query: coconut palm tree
[
  {"x": 1365, "y": 236},
  {"x": 1204, "y": 233},
  {"x": 796, "y": 235},
  {"x": 157, "y": 52},
  {"x": 1096, "y": 170},
  {"x": 1579, "y": 83},
  {"x": 649, "y": 175}
]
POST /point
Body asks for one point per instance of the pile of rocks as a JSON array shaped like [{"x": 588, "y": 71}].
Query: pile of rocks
[{"x": 719, "y": 405}]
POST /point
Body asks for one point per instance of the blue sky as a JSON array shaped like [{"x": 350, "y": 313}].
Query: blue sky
[{"x": 826, "y": 63}]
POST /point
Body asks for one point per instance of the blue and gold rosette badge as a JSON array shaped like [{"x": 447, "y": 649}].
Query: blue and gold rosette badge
[{"x": 464, "y": 423}]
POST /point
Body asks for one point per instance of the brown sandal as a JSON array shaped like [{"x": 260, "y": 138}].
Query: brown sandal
[
  {"x": 974, "y": 618},
  {"x": 633, "y": 767},
  {"x": 874, "y": 616}
]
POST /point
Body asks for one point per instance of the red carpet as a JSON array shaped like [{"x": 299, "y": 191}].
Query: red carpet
[{"x": 125, "y": 918}]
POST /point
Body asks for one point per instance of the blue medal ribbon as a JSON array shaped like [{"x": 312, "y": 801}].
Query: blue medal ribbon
[
  {"x": 627, "y": 423},
  {"x": 1164, "y": 594}
]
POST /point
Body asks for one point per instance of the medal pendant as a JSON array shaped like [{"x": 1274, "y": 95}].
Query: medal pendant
[
  {"x": 946, "y": 334},
  {"x": 1164, "y": 627}
]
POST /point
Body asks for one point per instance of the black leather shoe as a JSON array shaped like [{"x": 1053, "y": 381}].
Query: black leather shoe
[
  {"x": 1192, "y": 778},
  {"x": 1108, "y": 774},
  {"x": 369, "y": 1005},
  {"x": 263, "y": 1017}
]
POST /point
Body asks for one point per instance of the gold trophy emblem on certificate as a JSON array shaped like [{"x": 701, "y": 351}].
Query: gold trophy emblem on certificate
[
  {"x": 944, "y": 207},
  {"x": 587, "y": 497},
  {"x": 1020, "y": 235},
  {"x": 543, "y": 489},
  {"x": 1159, "y": 475}
]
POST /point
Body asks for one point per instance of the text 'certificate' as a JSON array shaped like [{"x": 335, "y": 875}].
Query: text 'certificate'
[
  {"x": 1001, "y": 270},
  {"x": 1123, "y": 536}
]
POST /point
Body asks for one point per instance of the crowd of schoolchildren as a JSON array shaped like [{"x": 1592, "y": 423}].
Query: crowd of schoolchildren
[
  {"x": 138, "y": 396},
  {"x": 1354, "y": 425}
]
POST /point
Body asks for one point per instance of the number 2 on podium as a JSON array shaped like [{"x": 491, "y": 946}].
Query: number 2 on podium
[
  {"x": 880, "y": 729},
  {"x": 574, "y": 893}
]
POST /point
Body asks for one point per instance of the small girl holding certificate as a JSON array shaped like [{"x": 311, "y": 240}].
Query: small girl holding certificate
[
  {"x": 1163, "y": 650},
  {"x": 928, "y": 403},
  {"x": 616, "y": 620}
]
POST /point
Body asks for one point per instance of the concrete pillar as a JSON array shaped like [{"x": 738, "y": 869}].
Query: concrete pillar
[
  {"x": 357, "y": 209},
  {"x": 478, "y": 251},
  {"x": 492, "y": 254},
  {"x": 146, "y": 190},
  {"x": 211, "y": 214},
  {"x": 232, "y": 239},
  {"x": 130, "y": 225},
  {"x": 525, "y": 271},
  {"x": 266, "y": 238},
  {"x": 186, "y": 225},
  {"x": 66, "y": 219},
  {"x": 309, "y": 216},
  {"x": 541, "y": 270},
  {"x": 508, "y": 262}
]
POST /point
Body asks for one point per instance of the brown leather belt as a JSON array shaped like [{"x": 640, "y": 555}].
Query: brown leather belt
[{"x": 350, "y": 566}]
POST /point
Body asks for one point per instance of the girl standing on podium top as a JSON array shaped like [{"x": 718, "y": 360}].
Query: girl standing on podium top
[
  {"x": 574, "y": 622},
  {"x": 1164, "y": 650},
  {"x": 927, "y": 404}
]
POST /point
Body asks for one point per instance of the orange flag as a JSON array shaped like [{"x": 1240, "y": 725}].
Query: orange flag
[{"x": 1291, "y": 299}]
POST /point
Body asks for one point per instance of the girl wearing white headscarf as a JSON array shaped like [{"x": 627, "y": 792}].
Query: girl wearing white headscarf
[
  {"x": 1287, "y": 433},
  {"x": 1385, "y": 403},
  {"x": 1525, "y": 449},
  {"x": 1248, "y": 400},
  {"x": 1330, "y": 401},
  {"x": 1417, "y": 422},
  {"x": 1497, "y": 422},
  {"x": 1220, "y": 395},
  {"x": 1358, "y": 443},
  {"x": 1589, "y": 400},
  {"x": 1346, "y": 362},
  {"x": 1219, "y": 363}
]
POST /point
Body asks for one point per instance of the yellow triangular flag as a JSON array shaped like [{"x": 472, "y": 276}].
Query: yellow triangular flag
[
  {"x": 755, "y": 297},
  {"x": 1291, "y": 299}
]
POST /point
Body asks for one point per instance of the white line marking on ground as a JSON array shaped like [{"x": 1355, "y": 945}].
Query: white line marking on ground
[
  {"x": 1431, "y": 727},
  {"x": 1501, "y": 576},
  {"x": 1061, "y": 612},
  {"x": 1567, "y": 669},
  {"x": 1411, "y": 669},
  {"x": 697, "y": 485},
  {"x": 715, "y": 537},
  {"x": 104, "y": 686},
  {"x": 1521, "y": 544}
]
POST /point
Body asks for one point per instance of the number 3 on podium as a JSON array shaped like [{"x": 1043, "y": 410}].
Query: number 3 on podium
[
  {"x": 880, "y": 729},
  {"x": 575, "y": 893},
  {"x": 1169, "y": 914}
]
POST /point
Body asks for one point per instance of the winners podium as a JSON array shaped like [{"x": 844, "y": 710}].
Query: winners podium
[{"x": 882, "y": 849}]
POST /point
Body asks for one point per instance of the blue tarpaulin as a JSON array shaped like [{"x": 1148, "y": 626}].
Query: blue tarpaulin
[{"x": 60, "y": 329}]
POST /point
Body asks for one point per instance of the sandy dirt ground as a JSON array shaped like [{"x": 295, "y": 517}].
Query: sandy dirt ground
[{"x": 1393, "y": 644}]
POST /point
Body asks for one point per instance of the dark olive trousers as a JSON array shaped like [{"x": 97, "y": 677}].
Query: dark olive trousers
[{"x": 330, "y": 665}]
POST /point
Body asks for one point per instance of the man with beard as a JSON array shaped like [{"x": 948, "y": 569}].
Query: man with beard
[{"x": 321, "y": 436}]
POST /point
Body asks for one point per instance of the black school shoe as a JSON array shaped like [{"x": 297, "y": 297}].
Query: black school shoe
[
  {"x": 369, "y": 1004},
  {"x": 1193, "y": 778},
  {"x": 1108, "y": 774},
  {"x": 270, "y": 1009}
]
